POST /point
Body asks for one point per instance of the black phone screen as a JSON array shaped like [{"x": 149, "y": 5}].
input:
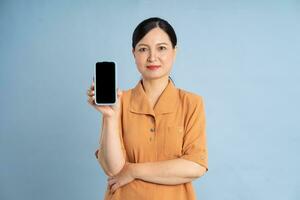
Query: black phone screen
[{"x": 105, "y": 83}]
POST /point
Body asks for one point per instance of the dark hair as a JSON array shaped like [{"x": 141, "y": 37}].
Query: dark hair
[{"x": 148, "y": 24}]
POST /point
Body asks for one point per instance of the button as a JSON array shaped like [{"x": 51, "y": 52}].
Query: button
[
  {"x": 152, "y": 129},
  {"x": 150, "y": 139}
]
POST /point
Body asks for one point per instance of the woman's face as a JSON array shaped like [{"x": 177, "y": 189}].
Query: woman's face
[{"x": 154, "y": 54}]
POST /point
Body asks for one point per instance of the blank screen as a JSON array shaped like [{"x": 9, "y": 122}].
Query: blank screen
[{"x": 105, "y": 82}]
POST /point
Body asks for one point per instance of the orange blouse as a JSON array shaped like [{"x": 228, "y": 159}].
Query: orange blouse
[{"x": 175, "y": 128}]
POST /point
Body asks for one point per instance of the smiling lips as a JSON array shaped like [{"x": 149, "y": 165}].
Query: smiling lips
[{"x": 153, "y": 67}]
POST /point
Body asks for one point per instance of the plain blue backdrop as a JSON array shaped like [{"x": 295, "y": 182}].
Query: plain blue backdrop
[{"x": 241, "y": 56}]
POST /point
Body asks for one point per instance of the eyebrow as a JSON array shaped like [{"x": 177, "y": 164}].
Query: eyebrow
[{"x": 157, "y": 44}]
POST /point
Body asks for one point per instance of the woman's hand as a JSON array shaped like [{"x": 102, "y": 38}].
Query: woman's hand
[
  {"x": 124, "y": 177},
  {"x": 107, "y": 111}
]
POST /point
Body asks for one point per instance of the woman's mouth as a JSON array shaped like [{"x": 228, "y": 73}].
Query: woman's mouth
[{"x": 153, "y": 67}]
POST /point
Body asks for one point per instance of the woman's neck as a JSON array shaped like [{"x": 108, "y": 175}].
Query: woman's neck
[{"x": 154, "y": 87}]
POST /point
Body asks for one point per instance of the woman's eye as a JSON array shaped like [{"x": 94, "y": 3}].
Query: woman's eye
[
  {"x": 162, "y": 48},
  {"x": 142, "y": 49}
]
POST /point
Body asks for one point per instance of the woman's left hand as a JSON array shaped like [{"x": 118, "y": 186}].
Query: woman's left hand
[{"x": 124, "y": 177}]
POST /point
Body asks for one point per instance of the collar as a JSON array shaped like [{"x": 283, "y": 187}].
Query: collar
[{"x": 166, "y": 103}]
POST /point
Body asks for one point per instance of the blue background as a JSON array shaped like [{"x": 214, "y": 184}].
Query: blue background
[{"x": 241, "y": 56}]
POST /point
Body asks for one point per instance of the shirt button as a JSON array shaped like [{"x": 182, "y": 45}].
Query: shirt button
[{"x": 152, "y": 129}]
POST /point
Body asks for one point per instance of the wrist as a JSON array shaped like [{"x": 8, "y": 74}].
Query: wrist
[
  {"x": 134, "y": 170},
  {"x": 110, "y": 119}
]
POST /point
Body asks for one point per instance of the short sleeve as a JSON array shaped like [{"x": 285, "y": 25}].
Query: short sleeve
[{"x": 194, "y": 141}]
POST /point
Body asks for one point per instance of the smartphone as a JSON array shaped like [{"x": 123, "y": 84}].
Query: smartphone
[{"x": 105, "y": 83}]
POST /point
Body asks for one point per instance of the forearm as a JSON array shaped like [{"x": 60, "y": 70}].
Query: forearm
[
  {"x": 110, "y": 155},
  {"x": 169, "y": 172}
]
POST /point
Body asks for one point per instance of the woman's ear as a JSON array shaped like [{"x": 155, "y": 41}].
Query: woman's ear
[
  {"x": 175, "y": 51},
  {"x": 133, "y": 52}
]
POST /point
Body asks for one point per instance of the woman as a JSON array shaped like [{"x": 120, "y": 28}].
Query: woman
[{"x": 153, "y": 140}]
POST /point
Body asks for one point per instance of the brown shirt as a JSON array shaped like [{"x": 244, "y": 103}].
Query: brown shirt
[{"x": 175, "y": 128}]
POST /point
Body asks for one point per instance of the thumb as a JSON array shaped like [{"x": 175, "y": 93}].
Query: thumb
[{"x": 119, "y": 92}]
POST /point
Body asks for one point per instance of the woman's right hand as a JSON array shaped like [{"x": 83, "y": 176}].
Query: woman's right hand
[{"x": 106, "y": 110}]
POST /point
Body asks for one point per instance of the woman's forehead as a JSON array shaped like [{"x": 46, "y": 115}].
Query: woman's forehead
[{"x": 155, "y": 36}]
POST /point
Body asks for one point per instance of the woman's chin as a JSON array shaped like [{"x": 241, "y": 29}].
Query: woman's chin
[{"x": 153, "y": 76}]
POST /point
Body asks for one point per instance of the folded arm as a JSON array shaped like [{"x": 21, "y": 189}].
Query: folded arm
[{"x": 168, "y": 172}]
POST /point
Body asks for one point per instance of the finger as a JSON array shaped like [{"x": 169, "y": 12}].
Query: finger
[
  {"x": 119, "y": 92},
  {"x": 91, "y": 101},
  {"x": 115, "y": 187},
  {"x": 111, "y": 182},
  {"x": 93, "y": 84},
  {"x": 90, "y": 92}
]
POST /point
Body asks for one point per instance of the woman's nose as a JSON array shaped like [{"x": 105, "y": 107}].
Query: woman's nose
[{"x": 152, "y": 57}]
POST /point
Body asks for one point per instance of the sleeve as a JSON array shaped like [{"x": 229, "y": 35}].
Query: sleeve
[{"x": 194, "y": 141}]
